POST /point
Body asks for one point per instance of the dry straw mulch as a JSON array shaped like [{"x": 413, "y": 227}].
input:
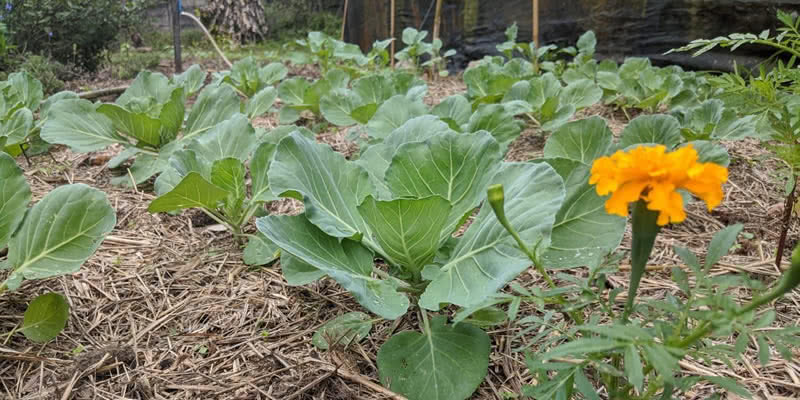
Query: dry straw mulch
[{"x": 167, "y": 310}]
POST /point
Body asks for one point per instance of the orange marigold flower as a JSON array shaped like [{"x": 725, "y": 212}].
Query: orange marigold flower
[{"x": 654, "y": 175}]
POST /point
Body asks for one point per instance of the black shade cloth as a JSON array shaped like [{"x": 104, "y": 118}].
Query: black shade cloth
[{"x": 624, "y": 28}]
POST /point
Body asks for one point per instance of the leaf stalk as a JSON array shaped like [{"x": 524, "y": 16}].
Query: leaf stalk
[{"x": 497, "y": 201}]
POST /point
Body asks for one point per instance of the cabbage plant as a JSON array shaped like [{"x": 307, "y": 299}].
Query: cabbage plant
[
  {"x": 149, "y": 120},
  {"x": 416, "y": 50},
  {"x": 406, "y": 203},
  {"x": 20, "y": 96},
  {"x": 543, "y": 56},
  {"x": 496, "y": 119},
  {"x": 210, "y": 174},
  {"x": 492, "y": 78},
  {"x": 551, "y": 103},
  {"x": 249, "y": 78},
  {"x": 359, "y": 103},
  {"x": 329, "y": 53},
  {"x": 54, "y": 237},
  {"x": 23, "y": 111},
  {"x": 636, "y": 83},
  {"x": 711, "y": 120},
  {"x": 301, "y": 95},
  {"x": 257, "y": 83}
]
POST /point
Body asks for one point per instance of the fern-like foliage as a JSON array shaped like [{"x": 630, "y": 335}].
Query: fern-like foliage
[{"x": 786, "y": 40}]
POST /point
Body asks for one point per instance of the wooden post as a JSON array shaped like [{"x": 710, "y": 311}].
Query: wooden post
[
  {"x": 391, "y": 28},
  {"x": 176, "y": 7},
  {"x": 536, "y": 23},
  {"x": 344, "y": 18},
  {"x": 437, "y": 19},
  {"x": 437, "y": 22}
]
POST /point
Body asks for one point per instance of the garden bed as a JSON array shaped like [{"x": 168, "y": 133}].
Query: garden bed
[{"x": 167, "y": 310}]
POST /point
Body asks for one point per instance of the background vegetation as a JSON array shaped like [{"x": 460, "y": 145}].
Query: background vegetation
[{"x": 50, "y": 39}]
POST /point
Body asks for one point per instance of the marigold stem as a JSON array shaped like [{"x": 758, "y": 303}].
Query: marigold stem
[
  {"x": 788, "y": 207},
  {"x": 645, "y": 230}
]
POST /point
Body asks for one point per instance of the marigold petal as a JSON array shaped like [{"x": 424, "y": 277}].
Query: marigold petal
[
  {"x": 604, "y": 175},
  {"x": 653, "y": 174},
  {"x": 663, "y": 198},
  {"x": 695, "y": 170},
  {"x": 658, "y": 196},
  {"x": 627, "y": 193},
  {"x": 706, "y": 183},
  {"x": 677, "y": 213},
  {"x": 683, "y": 157},
  {"x": 712, "y": 199},
  {"x": 643, "y": 162}
]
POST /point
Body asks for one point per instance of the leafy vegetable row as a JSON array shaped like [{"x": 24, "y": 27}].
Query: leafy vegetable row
[
  {"x": 54, "y": 237},
  {"x": 406, "y": 225}
]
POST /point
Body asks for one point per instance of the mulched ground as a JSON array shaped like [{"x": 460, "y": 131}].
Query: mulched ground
[{"x": 167, "y": 310}]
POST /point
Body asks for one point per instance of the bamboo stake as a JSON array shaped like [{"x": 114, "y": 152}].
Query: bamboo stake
[
  {"x": 437, "y": 23},
  {"x": 344, "y": 18},
  {"x": 437, "y": 19},
  {"x": 536, "y": 23},
  {"x": 391, "y": 28}
]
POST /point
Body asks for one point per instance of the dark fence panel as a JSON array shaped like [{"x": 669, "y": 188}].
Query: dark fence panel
[{"x": 623, "y": 27}]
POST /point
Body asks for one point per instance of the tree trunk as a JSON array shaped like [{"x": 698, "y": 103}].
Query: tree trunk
[{"x": 243, "y": 20}]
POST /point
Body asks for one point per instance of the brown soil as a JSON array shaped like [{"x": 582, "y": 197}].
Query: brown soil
[{"x": 167, "y": 310}]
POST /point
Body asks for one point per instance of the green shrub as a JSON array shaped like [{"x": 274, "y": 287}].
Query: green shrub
[
  {"x": 158, "y": 39},
  {"x": 5, "y": 45},
  {"x": 193, "y": 38},
  {"x": 293, "y": 18},
  {"x": 324, "y": 22},
  {"x": 127, "y": 63},
  {"x": 72, "y": 32},
  {"x": 46, "y": 70},
  {"x": 50, "y": 72}
]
